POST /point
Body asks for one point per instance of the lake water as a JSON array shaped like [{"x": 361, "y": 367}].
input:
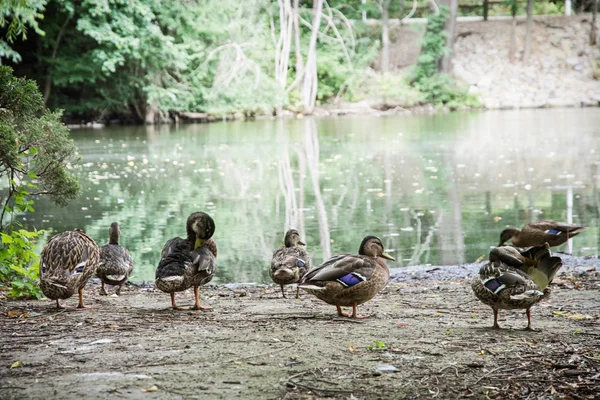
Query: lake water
[{"x": 436, "y": 189}]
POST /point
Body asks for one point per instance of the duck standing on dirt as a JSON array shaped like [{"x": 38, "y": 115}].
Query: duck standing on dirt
[
  {"x": 290, "y": 262},
  {"x": 538, "y": 233},
  {"x": 189, "y": 262},
  {"x": 67, "y": 261},
  {"x": 116, "y": 263},
  {"x": 516, "y": 280},
  {"x": 348, "y": 280}
]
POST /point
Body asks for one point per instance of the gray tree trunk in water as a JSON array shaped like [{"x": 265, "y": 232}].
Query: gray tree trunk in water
[
  {"x": 451, "y": 29},
  {"x": 529, "y": 31},
  {"x": 385, "y": 36},
  {"x": 309, "y": 87},
  {"x": 594, "y": 30},
  {"x": 150, "y": 116}
]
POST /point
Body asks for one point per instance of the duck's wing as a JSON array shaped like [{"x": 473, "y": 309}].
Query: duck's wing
[
  {"x": 339, "y": 266},
  {"x": 172, "y": 245},
  {"x": 555, "y": 228}
]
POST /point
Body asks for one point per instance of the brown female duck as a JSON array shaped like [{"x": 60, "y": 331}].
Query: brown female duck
[
  {"x": 538, "y": 233},
  {"x": 67, "y": 261},
  {"x": 349, "y": 280},
  {"x": 116, "y": 263},
  {"x": 515, "y": 280},
  {"x": 189, "y": 262},
  {"x": 290, "y": 262}
]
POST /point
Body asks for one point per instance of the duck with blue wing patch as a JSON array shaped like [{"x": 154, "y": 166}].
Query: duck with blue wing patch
[
  {"x": 348, "y": 280},
  {"x": 189, "y": 262},
  {"x": 290, "y": 262},
  {"x": 537, "y": 233},
  {"x": 66, "y": 263},
  {"x": 516, "y": 280}
]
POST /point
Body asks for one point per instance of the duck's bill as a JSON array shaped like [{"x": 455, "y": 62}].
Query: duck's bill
[
  {"x": 198, "y": 243},
  {"x": 387, "y": 256},
  {"x": 301, "y": 243}
]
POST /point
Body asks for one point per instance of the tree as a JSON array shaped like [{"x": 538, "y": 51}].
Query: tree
[
  {"x": 527, "y": 50},
  {"x": 513, "y": 30},
  {"x": 451, "y": 36},
  {"x": 310, "y": 81},
  {"x": 594, "y": 30},
  {"x": 21, "y": 14},
  {"x": 385, "y": 35},
  {"x": 35, "y": 148}
]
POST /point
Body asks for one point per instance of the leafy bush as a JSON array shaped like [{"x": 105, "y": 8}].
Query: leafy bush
[
  {"x": 35, "y": 149},
  {"x": 19, "y": 265},
  {"x": 437, "y": 88}
]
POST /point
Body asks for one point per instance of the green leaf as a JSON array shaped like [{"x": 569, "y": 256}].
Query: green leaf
[{"x": 6, "y": 239}]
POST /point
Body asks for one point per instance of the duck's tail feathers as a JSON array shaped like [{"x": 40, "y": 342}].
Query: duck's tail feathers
[
  {"x": 529, "y": 294},
  {"x": 284, "y": 273},
  {"x": 576, "y": 231},
  {"x": 116, "y": 277},
  {"x": 308, "y": 286},
  {"x": 171, "y": 279}
]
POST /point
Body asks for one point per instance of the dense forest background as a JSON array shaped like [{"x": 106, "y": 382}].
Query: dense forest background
[{"x": 149, "y": 60}]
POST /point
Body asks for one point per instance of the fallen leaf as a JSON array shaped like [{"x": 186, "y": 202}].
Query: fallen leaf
[
  {"x": 14, "y": 314},
  {"x": 17, "y": 364},
  {"x": 112, "y": 326},
  {"x": 402, "y": 324},
  {"x": 579, "y": 316},
  {"x": 152, "y": 388}
]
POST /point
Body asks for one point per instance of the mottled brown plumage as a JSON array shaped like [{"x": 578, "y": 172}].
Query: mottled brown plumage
[
  {"x": 116, "y": 263},
  {"x": 516, "y": 280},
  {"x": 189, "y": 262},
  {"x": 290, "y": 262},
  {"x": 537, "y": 233},
  {"x": 348, "y": 280},
  {"x": 67, "y": 261}
]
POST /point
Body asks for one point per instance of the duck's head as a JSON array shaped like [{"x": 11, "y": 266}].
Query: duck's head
[
  {"x": 114, "y": 233},
  {"x": 292, "y": 239},
  {"x": 371, "y": 246},
  {"x": 200, "y": 227},
  {"x": 507, "y": 235}
]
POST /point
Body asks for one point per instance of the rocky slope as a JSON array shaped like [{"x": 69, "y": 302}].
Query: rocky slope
[{"x": 563, "y": 70}]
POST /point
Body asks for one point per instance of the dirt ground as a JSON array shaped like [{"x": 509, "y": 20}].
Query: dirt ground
[{"x": 424, "y": 339}]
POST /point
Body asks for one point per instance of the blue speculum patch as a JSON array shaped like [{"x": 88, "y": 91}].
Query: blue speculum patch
[
  {"x": 300, "y": 263},
  {"x": 351, "y": 279},
  {"x": 553, "y": 231},
  {"x": 494, "y": 285}
]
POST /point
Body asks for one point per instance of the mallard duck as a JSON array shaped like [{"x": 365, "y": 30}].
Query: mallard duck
[
  {"x": 538, "y": 233},
  {"x": 116, "y": 263},
  {"x": 189, "y": 262},
  {"x": 349, "y": 280},
  {"x": 67, "y": 261},
  {"x": 290, "y": 262},
  {"x": 516, "y": 280}
]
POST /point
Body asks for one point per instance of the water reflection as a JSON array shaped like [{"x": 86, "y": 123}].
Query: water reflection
[{"x": 436, "y": 189}]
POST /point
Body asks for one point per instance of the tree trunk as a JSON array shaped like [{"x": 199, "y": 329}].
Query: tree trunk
[
  {"x": 385, "y": 36},
  {"x": 309, "y": 88},
  {"x": 567, "y": 7},
  {"x": 48, "y": 85},
  {"x": 513, "y": 33},
  {"x": 594, "y": 30},
  {"x": 451, "y": 29},
  {"x": 298, "y": 45},
  {"x": 486, "y": 8},
  {"x": 529, "y": 31},
  {"x": 284, "y": 43}
]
